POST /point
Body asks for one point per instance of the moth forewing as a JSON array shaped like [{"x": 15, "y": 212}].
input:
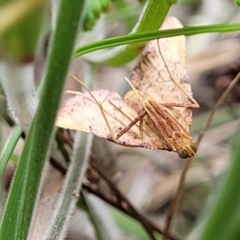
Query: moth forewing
[
  {"x": 105, "y": 113},
  {"x": 161, "y": 69},
  {"x": 184, "y": 91},
  {"x": 84, "y": 112}
]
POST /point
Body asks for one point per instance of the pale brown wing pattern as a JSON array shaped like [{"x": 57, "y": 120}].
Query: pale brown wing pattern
[
  {"x": 82, "y": 113},
  {"x": 154, "y": 75}
]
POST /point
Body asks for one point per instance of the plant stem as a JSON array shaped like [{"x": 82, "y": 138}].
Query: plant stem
[
  {"x": 70, "y": 190},
  {"x": 24, "y": 190}
]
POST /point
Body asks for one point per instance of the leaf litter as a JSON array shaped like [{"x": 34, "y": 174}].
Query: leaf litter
[{"x": 155, "y": 114}]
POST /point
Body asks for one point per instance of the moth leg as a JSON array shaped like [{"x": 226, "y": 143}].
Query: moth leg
[
  {"x": 170, "y": 105},
  {"x": 141, "y": 128},
  {"x": 127, "y": 128}
]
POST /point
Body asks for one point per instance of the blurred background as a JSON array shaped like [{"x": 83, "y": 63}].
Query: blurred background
[{"x": 148, "y": 178}]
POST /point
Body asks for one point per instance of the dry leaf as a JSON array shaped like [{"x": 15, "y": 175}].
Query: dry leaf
[{"x": 156, "y": 114}]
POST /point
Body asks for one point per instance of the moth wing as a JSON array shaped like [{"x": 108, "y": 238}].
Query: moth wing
[
  {"x": 179, "y": 42},
  {"x": 82, "y": 113},
  {"x": 151, "y": 74},
  {"x": 152, "y": 77}
]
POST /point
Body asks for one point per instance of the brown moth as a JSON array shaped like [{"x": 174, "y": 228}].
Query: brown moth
[{"x": 155, "y": 114}]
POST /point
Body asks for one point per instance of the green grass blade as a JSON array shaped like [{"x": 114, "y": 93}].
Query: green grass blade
[
  {"x": 144, "y": 37},
  {"x": 6, "y": 154},
  {"x": 224, "y": 220},
  {"x": 129, "y": 225},
  {"x": 8, "y": 150},
  {"x": 83, "y": 204},
  {"x": 23, "y": 194}
]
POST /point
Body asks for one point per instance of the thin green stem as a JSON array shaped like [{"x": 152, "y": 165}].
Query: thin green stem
[
  {"x": 70, "y": 190},
  {"x": 9, "y": 147},
  {"x": 23, "y": 194},
  {"x": 83, "y": 204},
  {"x": 144, "y": 37}
]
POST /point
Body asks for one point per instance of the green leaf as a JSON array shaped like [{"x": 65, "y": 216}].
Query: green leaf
[
  {"x": 144, "y": 37},
  {"x": 224, "y": 218},
  {"x": 92, "y": 11},
  {"x": 23, "y": 194}
]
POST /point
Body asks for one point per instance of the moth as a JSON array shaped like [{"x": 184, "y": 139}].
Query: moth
[{"x": 155, "y": 114}]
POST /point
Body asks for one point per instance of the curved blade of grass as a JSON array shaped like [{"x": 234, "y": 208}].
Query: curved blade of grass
[
  {"x": 151, "y": 18},
  {"x": 8, "y": 149},
  {"x": 83, "y": 204},
  {"x": 224, "y": 220},
  {"x": 23, "y": 194},
  {"x": 129, "y": 225},
  {"x": 70, "y": 190},
  {"x": 144, "y": 37},
  {"x": 103, "y": 218}
]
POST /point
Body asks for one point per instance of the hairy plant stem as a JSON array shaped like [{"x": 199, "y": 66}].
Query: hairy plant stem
[{"x": 69, "y": 194}]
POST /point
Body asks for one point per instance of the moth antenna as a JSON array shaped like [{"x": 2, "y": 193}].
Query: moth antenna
[
  {"x": 105, "y": 98},
  {"x": 73, "y": 92},
  {"x": 129, "y": 118},
  {"x": 195, "y": 104},
  {"x": 133, "y": 88},
  {"x": 99, "y": 105}
]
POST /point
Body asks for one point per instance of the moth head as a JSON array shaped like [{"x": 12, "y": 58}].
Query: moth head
[{"x": 188, "y": 150}]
